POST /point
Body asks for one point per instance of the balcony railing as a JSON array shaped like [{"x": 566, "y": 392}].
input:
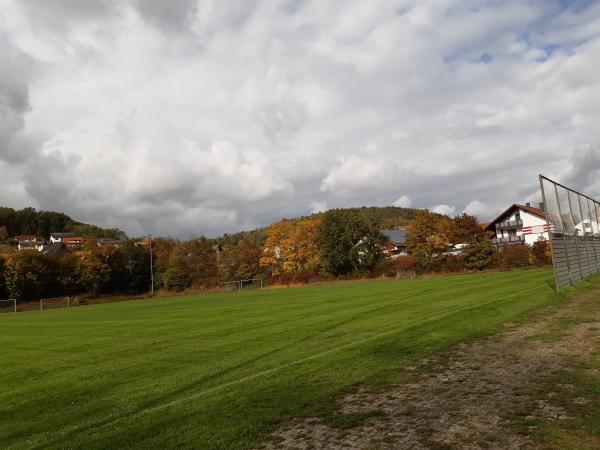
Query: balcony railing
[
  {"x": 510, "y": 224},
  {"x": 508, "y": 240}
]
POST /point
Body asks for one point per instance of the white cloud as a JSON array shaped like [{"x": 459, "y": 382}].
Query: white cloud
[
  {"x": 479, "y": 209},
  {"x": 215, "y": 116},
  {"x": 403, "y": 202},
  {"x": 353, "y": 174},
  {"x": 317, "y": 207},
  {"x": 447, "y": 210}
]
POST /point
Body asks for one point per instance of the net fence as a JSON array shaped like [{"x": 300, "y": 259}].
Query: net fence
[{"x": 573, "y": 221}]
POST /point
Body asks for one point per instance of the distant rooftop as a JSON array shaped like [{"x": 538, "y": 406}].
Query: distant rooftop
[
  {"x": 395, "y": 236},
  {"x": 62, "y": 235}
]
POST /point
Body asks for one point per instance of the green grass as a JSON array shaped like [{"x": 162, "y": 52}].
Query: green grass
[{"x": 221, "y": 370}]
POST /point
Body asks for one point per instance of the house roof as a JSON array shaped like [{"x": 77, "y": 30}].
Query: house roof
[
  {"x": 25, "y": 236},
  {"x": 62, "y": 235},
  {"x": 530, "y": 209},
  {"x": 395, "y": 236},
  {"x": 55, "y": 249}
]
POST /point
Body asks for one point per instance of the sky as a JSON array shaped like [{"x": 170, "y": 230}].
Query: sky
[{"x": 184, "y": 118}]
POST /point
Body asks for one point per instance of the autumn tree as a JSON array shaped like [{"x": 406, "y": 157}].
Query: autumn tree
[
  {"x": 347, "y": 242},
  {"x": 68, "y": 273},
  {"x": 463, "y": 229},
  {"x": 241, "y": 261},
  {"x": 479, "y": 254},
  {"x": 94, "y": 274},
  {"x": 129, "y": 267},
  {"x": 30, "y": 275},
  {"x": 427, "y": 238},
  {"x": 3, "y": 290},
  {"x": 192, "y": 263},
  {"x": 3, "y": 234},
  {"x": 291, "y": 247}
]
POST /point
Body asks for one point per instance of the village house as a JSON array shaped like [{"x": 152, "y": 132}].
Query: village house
[
  {"x": 73, "y": 241},
  {"x": 519, "y": 224},
  {"x": 110, "y": 242},
  {"x": 30, "y": 245},
  {"x": 59, "y": 237},
  {"x": 28, "y": 242},
  {"x": 395, "y": 244}
]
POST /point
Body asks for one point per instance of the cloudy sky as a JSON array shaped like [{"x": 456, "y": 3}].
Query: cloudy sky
[{"x": 194, "y": 117}]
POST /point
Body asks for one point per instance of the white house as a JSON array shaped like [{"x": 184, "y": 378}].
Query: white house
[
  {"x": 519, "y": 224},
  {"x": 31, "y": 245},
  {"x": 588, "y": 227},
  {"x": 59, "y": 237}
]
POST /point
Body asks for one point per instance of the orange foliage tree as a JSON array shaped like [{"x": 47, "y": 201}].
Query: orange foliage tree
[{"x": 290, "y": 247}]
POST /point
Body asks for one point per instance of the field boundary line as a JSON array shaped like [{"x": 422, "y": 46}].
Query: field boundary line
[{"x": 35, "y": 439}]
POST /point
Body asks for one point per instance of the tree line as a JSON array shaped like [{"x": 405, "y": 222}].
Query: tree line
[
  {"x": 340, "y": 243},
  {"x": 29, "y": 221}
]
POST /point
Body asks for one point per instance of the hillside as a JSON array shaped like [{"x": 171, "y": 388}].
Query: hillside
[
  {"x": 384, "y": 217},
  {"x": 42, "y": 223}
]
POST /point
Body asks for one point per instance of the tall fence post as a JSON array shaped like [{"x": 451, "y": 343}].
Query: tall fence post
[
  {"x": 563, "y": 235},
  {"x": 575, "y": 235},
  {"x": 549, "y": 232}
]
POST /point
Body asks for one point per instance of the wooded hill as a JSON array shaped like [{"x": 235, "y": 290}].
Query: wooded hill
[
  {"x": 384, "y": 217},
  {"x": 29, "y": 221}
]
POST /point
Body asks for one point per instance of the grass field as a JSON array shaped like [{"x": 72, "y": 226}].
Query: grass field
[{"x": 221, "y": 370}]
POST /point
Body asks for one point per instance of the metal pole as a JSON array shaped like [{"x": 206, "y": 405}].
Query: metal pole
[
  {"x": 584, "y": 235},
  {"x": 575, "y": 236},
  {"x": 41, "y": 304},
  {"x": 587, "y": 201},
  {"x": 151, "y": 268},
  {"x": 563, "y": 234},
  {"x": 549, "y": 233}
]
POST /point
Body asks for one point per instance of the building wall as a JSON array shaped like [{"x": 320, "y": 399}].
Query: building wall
[{"x": 538, "y": 227}]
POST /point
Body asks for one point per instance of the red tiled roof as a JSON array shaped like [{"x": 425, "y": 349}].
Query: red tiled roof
[{"x": 25, "y": 236}]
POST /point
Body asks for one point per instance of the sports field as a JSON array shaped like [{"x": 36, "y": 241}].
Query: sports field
[{"x": 221, "y": 370}]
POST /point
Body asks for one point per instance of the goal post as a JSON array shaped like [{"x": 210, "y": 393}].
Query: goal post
[
  {"x": 8, "y": 305},
  {"x": 242, "y": 285},
  {"x": 56, "y": 302},
  {"x": 252, "y": 283}
]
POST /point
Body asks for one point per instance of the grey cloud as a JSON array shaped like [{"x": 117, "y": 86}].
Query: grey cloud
[
  {"x": 172, "y": 14},
  {"x": 583, "y": 170},
  {"x": 14, "y": 101},
  {"x": 61, "y": 13}
]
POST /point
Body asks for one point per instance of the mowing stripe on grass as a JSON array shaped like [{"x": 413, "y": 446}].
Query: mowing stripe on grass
[{"x": 114, "y": 419}]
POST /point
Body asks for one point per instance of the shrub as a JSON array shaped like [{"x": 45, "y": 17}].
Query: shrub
[
  {"x": 541, "y": 252},
  {"x": 515, "y": 255}
]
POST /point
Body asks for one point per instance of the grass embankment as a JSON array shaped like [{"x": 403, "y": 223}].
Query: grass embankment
[{"x": 221, "y": 370}]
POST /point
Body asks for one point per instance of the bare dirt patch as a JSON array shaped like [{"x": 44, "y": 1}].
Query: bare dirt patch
[{"x": 485, "y": 394}]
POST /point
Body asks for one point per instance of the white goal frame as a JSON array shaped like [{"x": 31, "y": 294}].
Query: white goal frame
[
  {"x": 42, "y": 300},
  {"x": 239, "y": 284},
  {"x": 14, "y": 302}
]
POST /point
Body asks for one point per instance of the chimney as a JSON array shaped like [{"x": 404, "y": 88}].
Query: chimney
[
  {"x": 528, "y": 204},
  {"x": 542, "y": 207}
]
